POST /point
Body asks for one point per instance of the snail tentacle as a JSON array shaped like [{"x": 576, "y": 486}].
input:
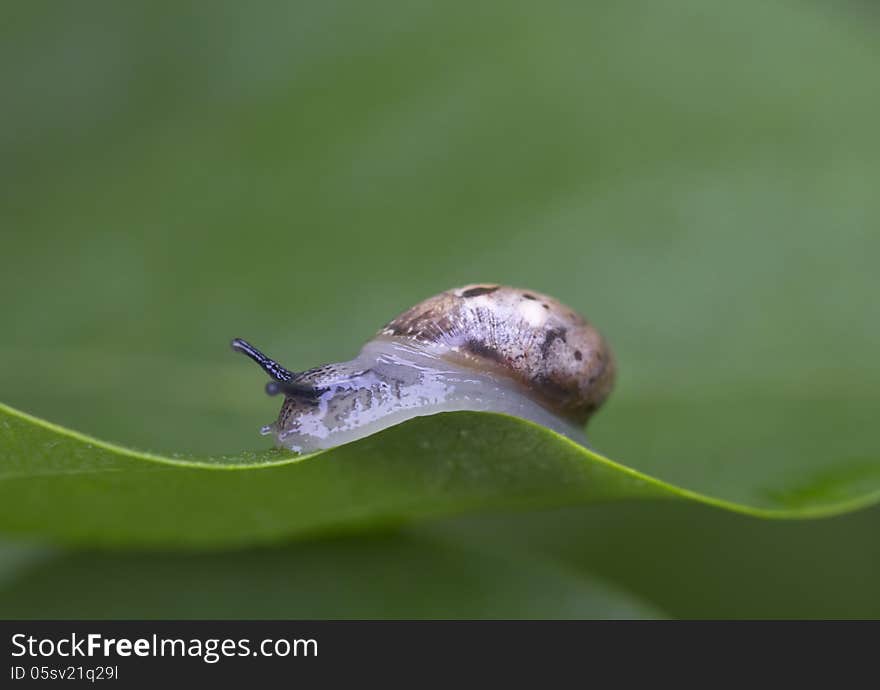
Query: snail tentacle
[{"x": 270, "y": 366}]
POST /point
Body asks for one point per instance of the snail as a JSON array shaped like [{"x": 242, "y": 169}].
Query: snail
[{"x": 480, "y": 347}]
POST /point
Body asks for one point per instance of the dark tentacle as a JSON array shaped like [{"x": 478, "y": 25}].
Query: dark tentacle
[{"x": 270, "y": 366}]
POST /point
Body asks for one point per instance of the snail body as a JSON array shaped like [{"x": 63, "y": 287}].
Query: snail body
[{"x": 480, "y": 347}]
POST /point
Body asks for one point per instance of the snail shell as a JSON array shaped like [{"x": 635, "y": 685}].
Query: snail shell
[{"x": 480, "y": 347}]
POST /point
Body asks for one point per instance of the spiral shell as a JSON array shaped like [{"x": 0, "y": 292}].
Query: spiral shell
[{"x": 533, "y": 338}]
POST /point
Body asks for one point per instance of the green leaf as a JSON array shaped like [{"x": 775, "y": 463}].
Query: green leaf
[
  {"x": 54, "y": 482},
  {"x": 699, "y": 182},
  {"x": 694, "y": 562},
  {"x": 398, "y": 575}
]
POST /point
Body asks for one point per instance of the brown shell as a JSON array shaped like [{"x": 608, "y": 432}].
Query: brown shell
[{"x": 525, "y": 335}]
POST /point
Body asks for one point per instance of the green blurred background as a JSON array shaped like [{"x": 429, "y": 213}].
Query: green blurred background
[{"x": 699, "y": 178}]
